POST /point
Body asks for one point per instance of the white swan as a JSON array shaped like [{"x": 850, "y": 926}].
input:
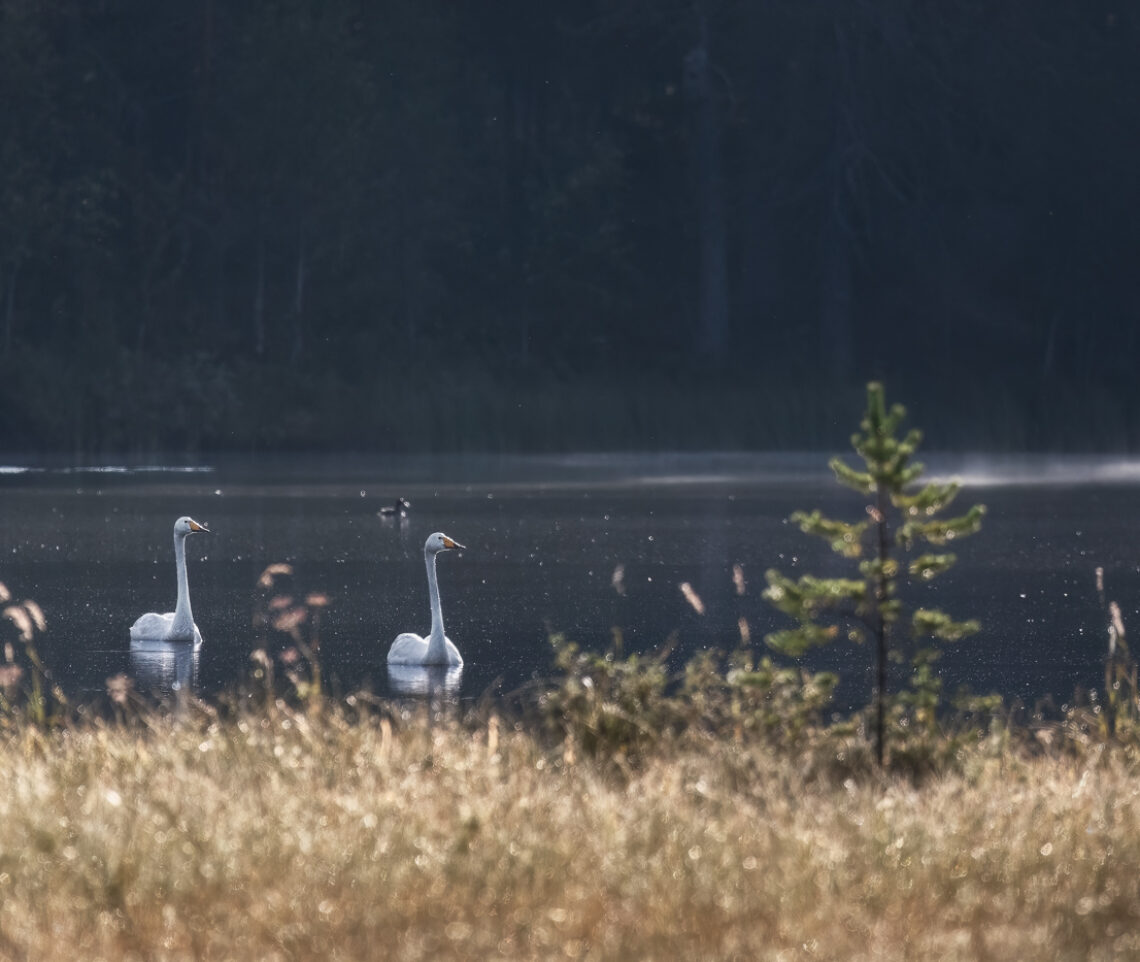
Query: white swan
[
  {"x": 177, "y": 625},
  {"x": 437, "y": 649}
]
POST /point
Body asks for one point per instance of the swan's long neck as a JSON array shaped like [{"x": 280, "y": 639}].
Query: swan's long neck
[
  {"x": 183, "y": 624},
  {"x": 437, "y": 650}
]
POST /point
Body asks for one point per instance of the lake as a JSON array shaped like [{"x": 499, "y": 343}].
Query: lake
[{"x": 594, "y": 547}]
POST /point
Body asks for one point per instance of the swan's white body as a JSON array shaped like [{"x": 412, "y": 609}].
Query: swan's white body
[
  {"x": 437, "y": 648},
  {"x": 177, "y": 625}
]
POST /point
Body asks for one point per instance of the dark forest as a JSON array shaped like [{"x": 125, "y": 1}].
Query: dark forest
[{"x": 516, "y": 226}]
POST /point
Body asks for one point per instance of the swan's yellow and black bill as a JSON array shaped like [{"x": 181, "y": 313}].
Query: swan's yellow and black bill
[
  {"x": 194, "y": 526},
  {"x": 449, "y": 543}
]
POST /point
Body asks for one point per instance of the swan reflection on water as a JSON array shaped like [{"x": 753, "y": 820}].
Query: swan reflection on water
[
  {"x": 429, "y": 680},
  {"x": 165, "y": 667}
]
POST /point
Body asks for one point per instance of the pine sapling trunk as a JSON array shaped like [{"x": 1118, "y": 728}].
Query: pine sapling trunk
[{"x": 882, "y": 593}]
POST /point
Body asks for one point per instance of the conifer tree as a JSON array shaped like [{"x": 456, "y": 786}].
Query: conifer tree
[{"x": 901, "y": 539}]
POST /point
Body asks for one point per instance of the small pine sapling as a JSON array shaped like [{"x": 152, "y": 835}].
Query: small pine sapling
[{"x": 902, "y": 538}]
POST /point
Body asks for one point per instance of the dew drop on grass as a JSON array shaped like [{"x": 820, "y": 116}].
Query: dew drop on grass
[{"x": 457, "y": 931}]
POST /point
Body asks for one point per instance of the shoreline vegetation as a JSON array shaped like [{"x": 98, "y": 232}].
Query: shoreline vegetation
[{"x": 615, "y": 813}]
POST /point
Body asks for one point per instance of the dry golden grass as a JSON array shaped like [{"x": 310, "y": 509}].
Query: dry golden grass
[{"x": 319, "y": 836}]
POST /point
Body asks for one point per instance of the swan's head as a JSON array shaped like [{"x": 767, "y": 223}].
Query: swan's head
[
  {"x": 184, "y": 526},
  {"x": 440, "y": 542}
]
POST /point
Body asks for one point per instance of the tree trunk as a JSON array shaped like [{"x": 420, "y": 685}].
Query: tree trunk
[
  {"x": 712, "y": 327},
  {"x": 836, "y": 343},
  {"x": 835, "y": 321},
  {"x": 9, "y": 309},
  {"x": 299, "y": 300},
  {"x": 517, "y": 208},
  {"x": 259, "y": 302},
  {"x": 406, "y": 260},
  {"x": 882, "y": 640}
]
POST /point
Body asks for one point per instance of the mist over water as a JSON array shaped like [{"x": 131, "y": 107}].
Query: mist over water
[
  {"x": 987, "y": 471},
  {"x": 597, "y": 547}
]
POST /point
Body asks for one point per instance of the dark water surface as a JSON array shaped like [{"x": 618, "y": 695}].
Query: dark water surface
[{"x": 579, "y": 545}]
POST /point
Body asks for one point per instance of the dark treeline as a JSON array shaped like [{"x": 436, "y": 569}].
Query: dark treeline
[{"x": 516, "y": 225}]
